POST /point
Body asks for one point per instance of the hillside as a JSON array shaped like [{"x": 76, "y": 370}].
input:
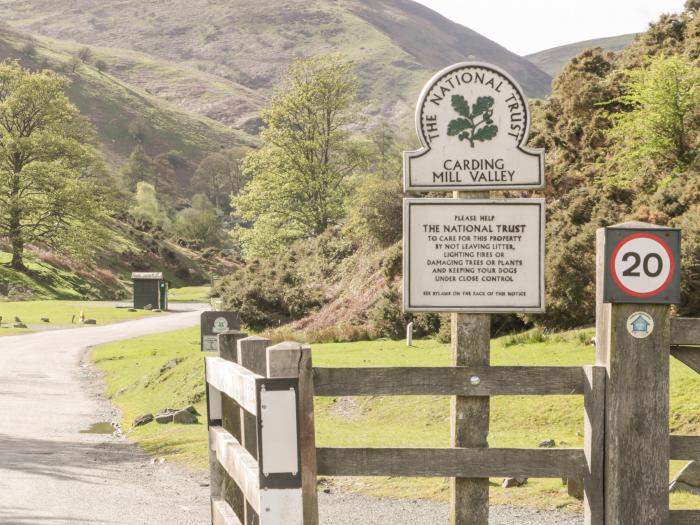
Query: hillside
[
  {"x": 222, "y": 59},
  {"x": 553, "y": 60},
  {"x": 112, "y": 105}
]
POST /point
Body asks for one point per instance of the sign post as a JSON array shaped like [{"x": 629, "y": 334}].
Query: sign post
[
  {"x": 215, "y": 323},
  {"x": 469, "y": 255},
  {"x": 638, "y": 277}
]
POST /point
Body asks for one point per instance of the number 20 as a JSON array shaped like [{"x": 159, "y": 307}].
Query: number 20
[{"x": 631, "y": 270}]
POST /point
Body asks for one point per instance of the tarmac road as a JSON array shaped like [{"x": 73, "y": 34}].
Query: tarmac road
[{"x": 50, "y": 473}]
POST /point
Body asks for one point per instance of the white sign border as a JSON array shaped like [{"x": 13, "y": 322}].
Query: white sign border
[
  {"x": 425, "y": 147},
  {"x": 407, "y": 203}
]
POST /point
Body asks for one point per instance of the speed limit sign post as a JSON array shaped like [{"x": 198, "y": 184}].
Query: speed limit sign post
[{"x": 638, "y": 279}]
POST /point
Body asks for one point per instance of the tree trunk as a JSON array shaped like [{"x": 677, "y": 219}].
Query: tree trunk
[{"x": 17, "y": 243}]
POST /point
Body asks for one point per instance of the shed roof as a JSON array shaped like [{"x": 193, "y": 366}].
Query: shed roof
[{"x": 146, "y": 276}]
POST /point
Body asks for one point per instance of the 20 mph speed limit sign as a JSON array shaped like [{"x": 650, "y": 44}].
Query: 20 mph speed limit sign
[{"x": 642, "y": 265}]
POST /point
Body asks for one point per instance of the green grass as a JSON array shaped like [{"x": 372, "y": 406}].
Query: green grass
[
  {"x": 134, "y": 381},
  {"x": 190, "y": 294},
  {"x": 60, "y": 313}
]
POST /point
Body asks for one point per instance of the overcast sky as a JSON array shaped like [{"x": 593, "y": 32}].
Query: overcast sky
[{"x": 527, "y": 26}]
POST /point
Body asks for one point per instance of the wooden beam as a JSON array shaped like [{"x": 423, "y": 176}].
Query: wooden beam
[
  {"x": 685, "y": 331},
  {"x": 222, "y": 513},
  {"x": 594, "y": 446},
  {"x": 239, "y": 464},
  {"x": 688, "y": 355},
  {"x": 233, "y": 380},
  {"x": 685, "y": 448},
  {"x": 452, "y": 462},
  {"x": 685, "y": 517},
  {"x": 449, "y": 381}
]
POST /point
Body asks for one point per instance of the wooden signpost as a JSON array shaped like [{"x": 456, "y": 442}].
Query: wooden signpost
[{"x": 472, "y": 256}]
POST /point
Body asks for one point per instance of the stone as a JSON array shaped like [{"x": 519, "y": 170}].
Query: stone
[
  {"x": 574, "y": 487},
  {"x": 192, "y": 410},
  {"x": 45, "y": 320},
  {"x": 157, "y": 310},
  {"x": 148, "y": 307},
  {"x": 170, "y": 364},
  {"x": 90, "y": 321},
  {"x": 20, "y": 325},
  {"x": 132, "y": 310},
  {"x": 688, "y": 479},
  {"x": 165, "y": 415},
  {"x": 513, "y": 482},
  {"x": 17, "y": 319},
  {"x": 547, "y": 443},
  {"x": 185, "y": 417},
  {"x": 142, "y": 420}
]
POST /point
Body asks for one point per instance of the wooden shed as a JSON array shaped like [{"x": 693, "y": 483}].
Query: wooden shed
[{"x": 150, "y": 289}]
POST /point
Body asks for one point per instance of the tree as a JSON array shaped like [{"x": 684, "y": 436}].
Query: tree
[
  {"x": 101, "y": 66},
  {"x": 84, "y": 54},
  {"x": 220, "y": 175},
  {"x": 48, "y": 187},
  {"x": 297, "y": 184},
  {"x": 202, "y": 221},
  {"x": 658, "y": 133},
  {"x": 147, "y": 208},
  {"x": 140, "y": 167}
]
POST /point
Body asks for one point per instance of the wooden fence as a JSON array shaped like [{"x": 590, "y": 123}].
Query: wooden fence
[{"x": 241, "y": 488}]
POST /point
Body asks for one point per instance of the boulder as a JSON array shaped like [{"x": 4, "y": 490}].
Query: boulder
[
  {"x": 142, "y": 420},
  {"x": 148, "y": 307},
  {"x": 17, "y": 319},
  {"x": 165, "y": 415},
  {"x": 45, "y": 320},
  {"x": 90, "y": 321},
  {"x": 688, "y": 479},
  {"x": 132, "y": 310},
  {"x": 184, "y": 417},
  {"x": 192, "y": 410},
  {"x": 170, "y": 364},
  {"x": 513, "y": 482},
  {"x": 20, "y": 325},
  {"x": 547, "y": 443}
]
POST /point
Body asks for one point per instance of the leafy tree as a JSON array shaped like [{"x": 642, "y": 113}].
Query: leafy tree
[
  {"x": 220, "y": 175},
  {"x": 48, "y": 188},
  {"x": 101, "y": 66},
  {"x": 202, "y": 221},
  {"x": 659, "y": 132},
  {"x": 147, "y": 208},
  {"x": 297, "y": 184},
  {"x": 140, "y": 167},
  {"x": 84, "y": 54}
]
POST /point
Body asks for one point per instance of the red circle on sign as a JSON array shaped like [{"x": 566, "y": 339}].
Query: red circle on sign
[{"x": 642, "y": 236}]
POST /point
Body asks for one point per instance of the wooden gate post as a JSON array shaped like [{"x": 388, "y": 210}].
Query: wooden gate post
[
  {"x": 636, "y": 403},
  {"x": 471, "y": 346}
]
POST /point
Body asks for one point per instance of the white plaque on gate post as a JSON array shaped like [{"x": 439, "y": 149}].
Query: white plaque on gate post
[
  {"x": 483, "y": 256},
  {"x": 473, "y": 122}
]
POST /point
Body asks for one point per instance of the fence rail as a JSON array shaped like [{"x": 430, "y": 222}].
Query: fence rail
[
  {"x": 684, "y": 517},
  {"x": 685, "y": 331},
  {"x": 449, "y": 381}
]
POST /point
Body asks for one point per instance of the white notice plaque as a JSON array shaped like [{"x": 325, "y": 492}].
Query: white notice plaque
[
  {"x": 482, "y": 256},
  {"x": 473, "y": 122}
]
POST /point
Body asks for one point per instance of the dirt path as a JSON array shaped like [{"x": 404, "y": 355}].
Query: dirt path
[{"x": 50, "y": 473}]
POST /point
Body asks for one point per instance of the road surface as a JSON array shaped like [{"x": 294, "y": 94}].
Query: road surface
[{"x": 50, "y": 473}]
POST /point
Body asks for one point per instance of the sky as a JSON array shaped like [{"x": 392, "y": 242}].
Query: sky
[{"x": 527, "y": 26}]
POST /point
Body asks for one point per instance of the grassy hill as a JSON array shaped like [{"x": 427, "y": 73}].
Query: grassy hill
[
  {"x": 553, "y": 60},
  {"x": 112, "y": 104},
  {"x": 222, "y": 58}
]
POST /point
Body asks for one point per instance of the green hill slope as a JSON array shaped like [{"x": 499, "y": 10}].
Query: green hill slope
[
  {"x": 242, "y": 48},
  {"x": 553, "y": 60},
  {"x": 111, "y": 105}
]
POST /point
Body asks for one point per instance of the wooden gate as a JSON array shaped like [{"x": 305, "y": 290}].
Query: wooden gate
[{"x": 624, "y": 463}]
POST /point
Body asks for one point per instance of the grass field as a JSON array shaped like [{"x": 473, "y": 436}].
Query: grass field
[
  {"x": 60, "y": 313},
  {"x": 137, "y": 386},
  {"x": 198, "y": 294}
]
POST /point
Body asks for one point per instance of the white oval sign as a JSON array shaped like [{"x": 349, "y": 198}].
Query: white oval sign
[
  {"x": 640, "y": 325},
  {"x": 642, "y": 265},
  {"x": 473, "y": 122},
  {"x": 220, "y": 325}
]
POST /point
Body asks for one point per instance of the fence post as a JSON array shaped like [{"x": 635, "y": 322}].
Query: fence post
[
  {"x": 252, "y": 354},
  {"x": 290, "y": 359},
  {"x": 214, "y": 417},
  {"x": 594, "y": 445},
  {"x": 231, "y": 420},
  {"x": 636, "y": 406}
]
